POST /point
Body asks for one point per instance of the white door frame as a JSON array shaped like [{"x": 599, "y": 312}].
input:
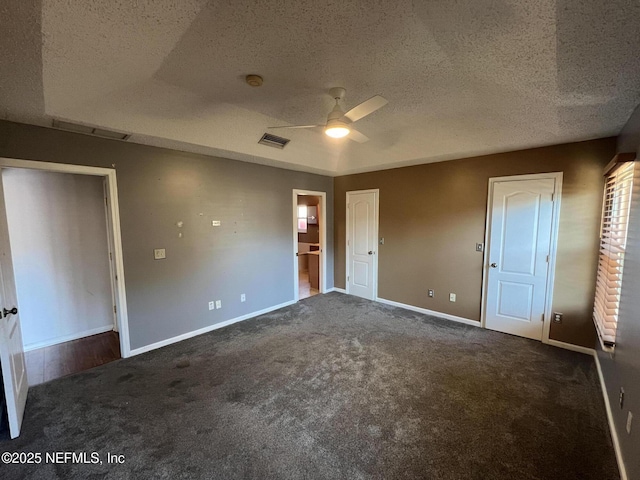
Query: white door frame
[
  {"x": 112, "y": 272},
  {"x": 376, "y": 213},
  {"x": 322, "y": 225},
  {"x": 555, "y": 220},
  {"x": 115, "y": 239}
]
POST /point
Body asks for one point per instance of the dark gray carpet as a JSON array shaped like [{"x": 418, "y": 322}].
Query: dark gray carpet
[{"x": 333, "y": 387}]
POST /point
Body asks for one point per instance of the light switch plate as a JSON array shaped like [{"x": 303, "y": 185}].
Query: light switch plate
[
  {"x": 479, "y": 247},
  {"x": 452, "y": 297},
  {"x": 216, "y": 223},
  {"x": 159, "y": 253},
  {"x": 218, "y": 303}
]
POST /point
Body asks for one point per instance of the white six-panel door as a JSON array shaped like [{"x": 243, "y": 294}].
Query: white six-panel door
[
  {"x": 362, "y": 232},
  {"x": 14, "y": 372},
  {"x": 521, "y": 216}
]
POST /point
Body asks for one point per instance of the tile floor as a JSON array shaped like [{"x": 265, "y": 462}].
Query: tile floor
[{"x": 304, "y": 287}]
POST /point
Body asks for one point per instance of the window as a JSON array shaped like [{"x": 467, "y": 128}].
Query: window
[
  {"x": 302, "y": 219},
  {"x": 613, "y": 240}
]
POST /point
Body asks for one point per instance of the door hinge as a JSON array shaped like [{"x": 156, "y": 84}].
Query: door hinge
[
  {"x": 115, "y": 309},
  {"x": 348, "y": 278},
  {"x": 553, "y": 197},
  {"x": 547, "y": 258},
  {"x": 110, "y": 256},
  {"x": 542, "y": 318}
]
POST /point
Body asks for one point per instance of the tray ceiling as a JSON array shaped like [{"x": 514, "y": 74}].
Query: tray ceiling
[{"x": 462, "y": 78}]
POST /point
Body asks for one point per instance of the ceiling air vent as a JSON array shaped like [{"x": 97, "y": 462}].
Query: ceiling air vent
[
  {"x": 273, "y": 141},
  {"x": 74, "y": 127}
]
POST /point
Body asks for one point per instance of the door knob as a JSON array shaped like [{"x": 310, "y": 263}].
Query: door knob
[
  {"x": 370, "y": 252},
  {"x": 13, "y": 311},
  {"x": 494, "y": 265}
]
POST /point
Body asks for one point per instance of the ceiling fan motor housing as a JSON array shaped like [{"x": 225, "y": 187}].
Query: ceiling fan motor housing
[
  {"x": 337, "y": 122},
  {"x": 336, "y": 114}
]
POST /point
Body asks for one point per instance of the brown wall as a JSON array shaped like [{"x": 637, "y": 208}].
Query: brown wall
[{"x": 432, "y": 215}]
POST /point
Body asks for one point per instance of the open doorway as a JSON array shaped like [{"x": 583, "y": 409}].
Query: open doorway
[
  {"x": 309, "y": 240},
  {"x": 58, "y": 231},
  {"x": 64, "y": 228},
  {"x": 12, "y": 357}
]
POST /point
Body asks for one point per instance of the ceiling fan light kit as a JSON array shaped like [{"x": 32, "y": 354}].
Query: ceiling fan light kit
[{"x": 336, "y": 129}]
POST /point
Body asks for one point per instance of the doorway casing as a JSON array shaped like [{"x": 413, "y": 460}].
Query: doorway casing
[
  {"x": 114, "y": 234},
  {"x": 323, "y": 239}
]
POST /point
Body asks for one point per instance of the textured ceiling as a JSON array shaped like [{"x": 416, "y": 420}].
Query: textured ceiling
[{"x": 462, "y": 77}]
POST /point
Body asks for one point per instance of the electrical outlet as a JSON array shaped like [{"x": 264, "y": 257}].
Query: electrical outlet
[
  {"x": 159, "y": 253},
  {"x": 452, "y": 297},
  {"x": 621, "y": 398},
  {"x": 629, "y": 420},
  {"x": 479, "y": 247},
  {"x": 215, "y": 223},
  {"x": 243, "y": 297},
  {"x": 557, "y": 317},
  {"x": 218, "y": 303},
  {"x": 430, "y": 293},
  {"x": 381, "y": 242},
  {"x": 211, "y": 306}
]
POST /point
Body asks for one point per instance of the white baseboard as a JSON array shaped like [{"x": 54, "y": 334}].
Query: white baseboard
[
  {"x": 612, "y": 425},
  {"x": 466, "y": 321},
  {"x": 555, "y": 343},
  {"x": 571, "y": 346},
  {"x": 68, "y": 338},
  {"x": 336, "y": 289},
  {"x": 210, "y": 328}
]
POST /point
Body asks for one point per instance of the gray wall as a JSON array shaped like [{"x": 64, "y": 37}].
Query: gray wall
[
  {"x": 58, "y": 234},
  {"x": 622, "y": 368},
  {"x": 251, "y": 253}
]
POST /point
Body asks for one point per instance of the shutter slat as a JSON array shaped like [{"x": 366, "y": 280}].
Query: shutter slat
[{"x": 613, "y": 239}]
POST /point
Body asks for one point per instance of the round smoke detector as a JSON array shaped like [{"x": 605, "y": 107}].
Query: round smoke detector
[{"x": 254, "y": 80}]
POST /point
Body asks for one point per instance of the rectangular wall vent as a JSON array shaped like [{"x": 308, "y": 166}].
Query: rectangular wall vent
[
  {"x": 273, "y": 141},
  {"x": 74, "y": 127}
]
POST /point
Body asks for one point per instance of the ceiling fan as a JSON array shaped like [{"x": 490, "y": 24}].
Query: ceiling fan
[{"x": 339, "y": 123}]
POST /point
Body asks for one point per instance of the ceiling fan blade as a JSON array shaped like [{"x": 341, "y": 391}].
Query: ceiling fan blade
[
  {"x": 297, "y": 126},
  {"x": 366, "y": 107},
  {"x": 357, "y": 136}
]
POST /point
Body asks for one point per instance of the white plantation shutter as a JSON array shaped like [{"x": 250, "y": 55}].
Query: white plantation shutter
[{"x": 613, "y": 240}]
